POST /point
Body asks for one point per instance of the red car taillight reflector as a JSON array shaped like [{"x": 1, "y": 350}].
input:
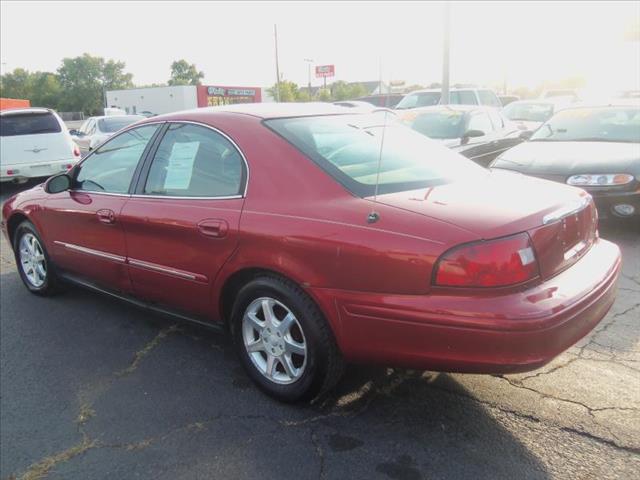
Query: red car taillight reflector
[{"x": 493, "y": 263}]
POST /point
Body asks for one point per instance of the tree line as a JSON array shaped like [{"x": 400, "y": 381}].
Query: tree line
[{"x": 80, "y": 83}]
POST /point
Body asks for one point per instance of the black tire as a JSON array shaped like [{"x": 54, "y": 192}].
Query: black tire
[
  {"x": 324, "y": 364},
  {"x": 50, "y": 285}
]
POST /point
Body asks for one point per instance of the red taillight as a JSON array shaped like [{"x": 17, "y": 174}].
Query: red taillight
[
  {"x": 494, "y": 263},
  {"x": 76, "y": 151}
]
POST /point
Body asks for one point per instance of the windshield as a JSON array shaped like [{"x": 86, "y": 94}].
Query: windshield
[
  {"x": 348, "y": 148},
  {"x": 528, "y": 112},
  {"x": 28, "y": 124},
  {"x": 604, "y": 124},
  {"x": 439, "y": 125},
  {"x": 111, "y": 125},
  {"x": 419, "y": 99}
]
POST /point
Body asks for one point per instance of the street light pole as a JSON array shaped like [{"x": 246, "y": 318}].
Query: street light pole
[
  {"x": 275, "y": 34},
  {"x": 444, "y": 97}
]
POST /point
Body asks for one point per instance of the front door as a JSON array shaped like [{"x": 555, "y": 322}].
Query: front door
[
  {"x": 182, "y": 223},
  {"x": 83, "y": 226}
]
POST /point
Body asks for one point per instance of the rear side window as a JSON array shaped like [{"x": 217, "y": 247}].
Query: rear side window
[
  {"x": 28, "y": 124},
  {"x": 195, "y": 161},
  {"x": 463, "y": 97}
]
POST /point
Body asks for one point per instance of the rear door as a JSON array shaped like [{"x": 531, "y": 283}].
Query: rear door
[
  {"x": 83, "y": 228},
  {"x": 182, "y": 223}
]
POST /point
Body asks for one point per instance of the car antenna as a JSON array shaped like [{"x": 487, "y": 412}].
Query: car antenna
[{"x": 374, "y": 216}]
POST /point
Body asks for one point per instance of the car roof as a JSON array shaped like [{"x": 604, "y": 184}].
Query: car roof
[
  {"x": 267, "y": 110},
  {"x": 455, "y": 108},
  {"x": 20, "y": 111}
]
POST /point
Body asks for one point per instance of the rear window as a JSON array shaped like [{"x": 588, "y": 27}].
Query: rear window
[
  {"x": 440, "y": 125},
  {"x": 28, "y": 124},
  {"x": 347, "y": 147},
  {"x": 111, "y": 125},
  {"x": 419, "y": 99}
]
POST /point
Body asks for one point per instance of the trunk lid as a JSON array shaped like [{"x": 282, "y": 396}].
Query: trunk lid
[{"x": 500, "y": 203}]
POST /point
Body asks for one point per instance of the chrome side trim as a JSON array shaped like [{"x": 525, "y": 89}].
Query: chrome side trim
[
  {"x": 100, "y": 193},
  {"x": 172, "y": 197},
  {"x": 159, "y": 268},
  {"x": 91, "y": 251},
  {"x": 567, "y": 210}
]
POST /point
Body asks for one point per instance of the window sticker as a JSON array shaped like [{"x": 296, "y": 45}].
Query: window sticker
[{"x": 180, "y": 168}]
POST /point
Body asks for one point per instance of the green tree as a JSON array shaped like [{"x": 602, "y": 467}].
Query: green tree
[
  {"x": 288, "y": 91},
  {"x": 85, "y": 79},
  {"x": 324, "y": 95},
  {"x": 341, "y": 90},
  {"x": 42, "y": 89},
  {"x": 183, "y": 73}
]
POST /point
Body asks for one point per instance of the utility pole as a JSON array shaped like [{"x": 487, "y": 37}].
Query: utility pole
[
  {"x": 275, "y": 33},
  {"x": 444, "y": 97},
  {"x": 309, "y": 62}
]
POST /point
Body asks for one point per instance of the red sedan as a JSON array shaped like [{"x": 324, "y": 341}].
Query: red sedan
[{"x": 318, "y": 236}]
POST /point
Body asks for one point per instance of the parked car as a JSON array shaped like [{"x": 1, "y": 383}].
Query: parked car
[
  {"x": 457, "y": 96},
  {"x": 385, "y": 100},
  {"x": 507, "y": 99},
  {"x": 147, "y": 114},
  {"x": 96, "y": 130},
  {"x": 35, "y": 143},
  {"x": 595, "y": 148},
  {"x": 530, "y": 114},
  {"x": 285, "y": 223},
  {"x": 478, "y": 133}
]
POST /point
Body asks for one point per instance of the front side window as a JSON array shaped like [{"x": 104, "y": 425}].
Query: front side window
[
  {"x": 195, "y": 161},
  {"x": 347, "y": 147},
  {"x": 28, "y": 124},
  {"x": 110, "y": 168},
  {"x": 600, "y": 124},
  {"x": 481, "y": 122}
]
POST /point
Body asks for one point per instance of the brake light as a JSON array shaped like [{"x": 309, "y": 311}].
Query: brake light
[
  {"x": 494, "y": 263},
  {"x": 76, "y": 151}
]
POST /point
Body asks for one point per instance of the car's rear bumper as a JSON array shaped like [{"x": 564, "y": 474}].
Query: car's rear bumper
[
  {"x": 34, "y": 170},
  {"x": 490, "y": 333}
]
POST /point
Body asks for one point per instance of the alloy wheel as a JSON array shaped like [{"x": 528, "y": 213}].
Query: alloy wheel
[
  {"x": 32, "y": 260},
  {"x": 274, "y": 340}
]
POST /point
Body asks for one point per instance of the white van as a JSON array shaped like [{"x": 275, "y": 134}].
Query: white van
[{"x": 34, "y": 142}]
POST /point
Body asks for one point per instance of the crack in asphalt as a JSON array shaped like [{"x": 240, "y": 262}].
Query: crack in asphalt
[
  {"x": 319, "y": 453},
  {"x": 140, "y": 354}
]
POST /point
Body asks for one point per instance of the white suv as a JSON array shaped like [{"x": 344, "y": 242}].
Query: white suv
[
  {"x": 34, "y": 142},
  {"x": 457, "y": 96}
]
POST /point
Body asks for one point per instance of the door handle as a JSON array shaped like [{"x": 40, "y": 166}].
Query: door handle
[
  {"x": 213, "y": 228},
  {"x": 106, "y": 216}
]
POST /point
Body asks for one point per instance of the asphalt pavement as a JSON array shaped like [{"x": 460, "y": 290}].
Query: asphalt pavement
[{"x": 91, "y": 388}]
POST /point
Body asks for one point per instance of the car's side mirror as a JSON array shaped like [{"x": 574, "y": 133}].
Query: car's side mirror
[
  {"x": 75, "y": 133},
  {"x": 58, "y": 183},
  {"x": 526, "y": 134},
  {"x": 471, "y": 134}
]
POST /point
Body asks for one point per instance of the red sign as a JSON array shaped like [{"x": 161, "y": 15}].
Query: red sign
[{"x": 323, "y": 71}]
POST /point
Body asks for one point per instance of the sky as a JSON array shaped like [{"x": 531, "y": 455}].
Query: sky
[{"x": 233, "y": 42}]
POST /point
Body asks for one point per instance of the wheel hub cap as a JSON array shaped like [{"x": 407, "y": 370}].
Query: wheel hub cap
[{"x": 32, "y": 260}]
